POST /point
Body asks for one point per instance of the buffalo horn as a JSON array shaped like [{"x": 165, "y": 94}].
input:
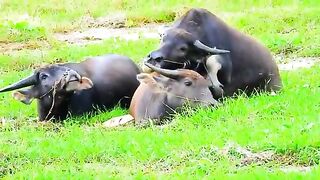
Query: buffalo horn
[
  {"x": 31, "y": 80},
  {"x": 202, "y": 46},
  {"x": 166, "y": 72}
]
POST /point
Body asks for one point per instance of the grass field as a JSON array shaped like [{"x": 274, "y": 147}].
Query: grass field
[{"x": 259, "y": 137}]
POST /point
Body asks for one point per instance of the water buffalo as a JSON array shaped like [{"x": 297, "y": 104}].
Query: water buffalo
[
  {"x": 161, "y": 94},
  {"x": 77, "y": 88},
  {"x": 231, "y": 60}
]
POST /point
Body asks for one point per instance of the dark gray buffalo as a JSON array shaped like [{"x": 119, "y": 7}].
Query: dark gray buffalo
[
  {"x": 163, "y": 93},
  {"x": 231, "y": 60},
  {"x": 77, "y": 88}
]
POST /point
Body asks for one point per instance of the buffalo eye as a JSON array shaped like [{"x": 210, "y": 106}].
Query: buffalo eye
[
  {"x": 188, "y": 83},
  {"x": 43, "y": 76},
  {"x": 183, "y": 48}
]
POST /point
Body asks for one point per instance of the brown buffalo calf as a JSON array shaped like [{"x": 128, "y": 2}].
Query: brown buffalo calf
[{"x": 162, "y": 93}]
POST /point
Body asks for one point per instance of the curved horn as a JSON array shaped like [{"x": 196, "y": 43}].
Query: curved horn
[
  {"x": 31, "y": 80},
  {"x": 166, "y": 72},
  {"x": 202, "y": 46}
]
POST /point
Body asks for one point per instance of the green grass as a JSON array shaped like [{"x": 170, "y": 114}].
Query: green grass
[
  {"x": 287, "y": 123},
  {"x": 288, "y": 27},
  {"x": 23, "y": 59},
  {"x": 190, "y": 147}
]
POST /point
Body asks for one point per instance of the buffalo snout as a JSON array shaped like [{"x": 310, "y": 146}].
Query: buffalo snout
[{"x": 156, "y": 56}]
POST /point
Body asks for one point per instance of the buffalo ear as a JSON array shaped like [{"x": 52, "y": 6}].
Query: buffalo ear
[
  {"x": 24, "y": 96},
  {"x": 142, "y": 77},
  {"x": 151, "y": 80},
  {"x": 84, "y": 83}
]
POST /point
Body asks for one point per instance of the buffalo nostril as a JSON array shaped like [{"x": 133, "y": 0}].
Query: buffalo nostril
[
  {"x": 158, "y": 59},
  {"x": 147, "y": 59},
  {"x": 221, "y": 86},
  {"x": 157, "y": 56}
]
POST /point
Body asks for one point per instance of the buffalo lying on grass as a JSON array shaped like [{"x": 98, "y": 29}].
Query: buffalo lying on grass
[
  {"x": 163, "y": 93},
  {"x": 239, "y": 63},
  {"x": 77, "y": 88}
]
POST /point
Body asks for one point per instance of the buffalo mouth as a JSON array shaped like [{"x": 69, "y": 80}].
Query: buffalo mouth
[
  {"x": 167, "y": 64},
  {"x": 178, "y": 65}
]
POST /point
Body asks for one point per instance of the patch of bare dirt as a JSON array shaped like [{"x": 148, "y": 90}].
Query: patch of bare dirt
[
  {"x": 247, "y": 157},
  {"x": 11, "y": 47},
  {"x": 240, "y": 157},
  {"x": 297, "y": 63},
  {"x": 115, "y": 20},
  {"x": 111, "y": 26},
  {"x": 289, "y": 169},
  {"x": 288, "y": 163},
  {"x": 97, "y": 34}
]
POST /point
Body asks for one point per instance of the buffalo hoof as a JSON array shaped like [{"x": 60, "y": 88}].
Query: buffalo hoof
[{"x": 118, "y": 121}]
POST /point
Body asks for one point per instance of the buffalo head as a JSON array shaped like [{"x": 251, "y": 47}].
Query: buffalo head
[
  {"x": 180, "y": 49},
  {"x": 161, "y": 93},
  {"x": 183, "y": 83},
  {"x": 51, "y": 85}
]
